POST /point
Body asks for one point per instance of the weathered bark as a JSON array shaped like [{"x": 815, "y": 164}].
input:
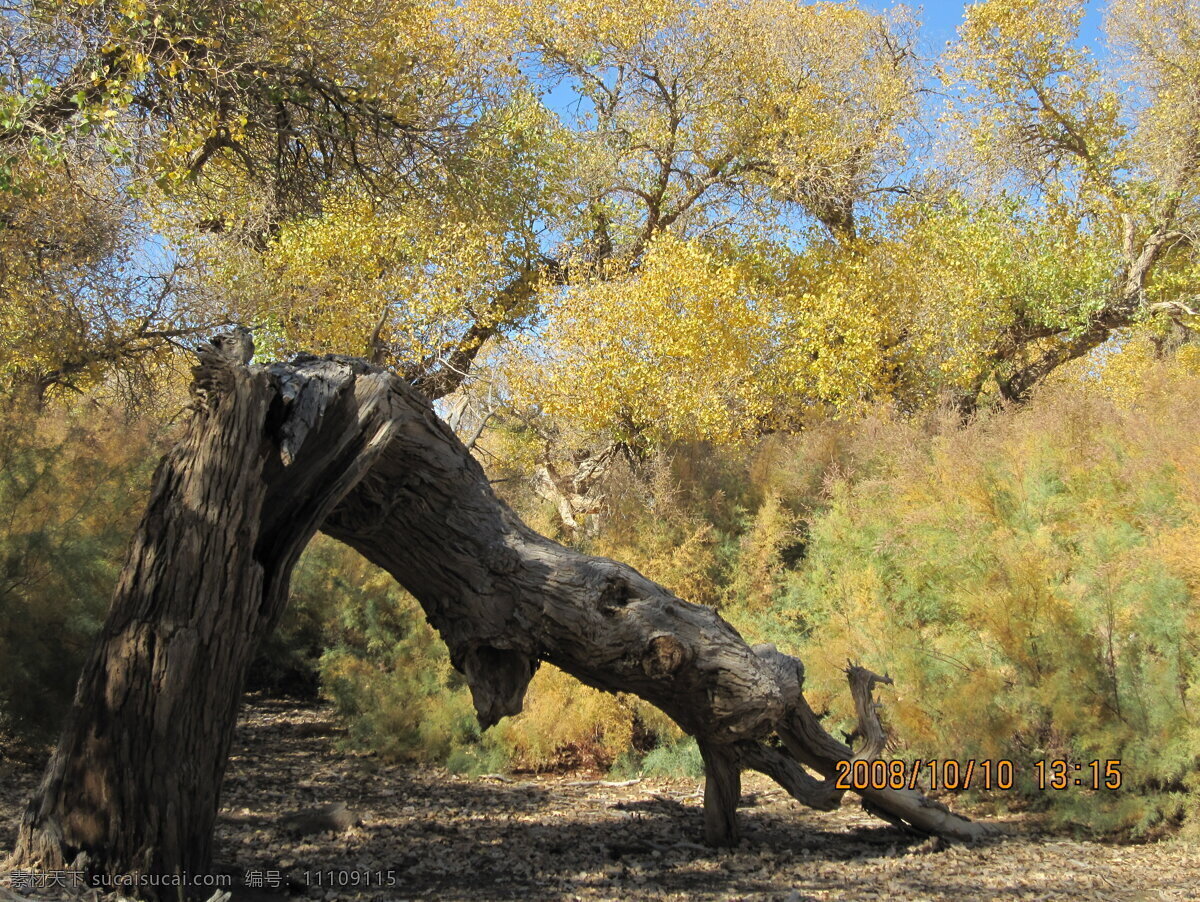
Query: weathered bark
[
  {"x": 272, "y": 454},
  {"x": 134, "y": 783},
  {"x": 722, "y": 789}
]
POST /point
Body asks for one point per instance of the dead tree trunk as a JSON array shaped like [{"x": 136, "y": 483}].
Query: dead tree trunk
[
  {"x": 272, "y": 454},
  {"x": 134, "y": 783}
]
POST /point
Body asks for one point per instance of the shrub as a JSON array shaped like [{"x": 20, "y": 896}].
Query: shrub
[
  {"x": 383, "y": 666},
  {"x": 72, "y": 484},
  {"x": 1030, "y": 582},
  {"x": 675, "y": 759}
]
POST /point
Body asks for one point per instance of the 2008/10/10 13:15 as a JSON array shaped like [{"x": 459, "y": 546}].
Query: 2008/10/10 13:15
[{"x": 975, "y": 774}]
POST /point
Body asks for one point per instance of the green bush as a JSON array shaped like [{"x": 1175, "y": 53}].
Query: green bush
[
  {"x": 72, "y": 485},
  {"x": 382, "y": 664},
  {"x": 1031, "y": 583},
  {"x": 675, "y": 759}
]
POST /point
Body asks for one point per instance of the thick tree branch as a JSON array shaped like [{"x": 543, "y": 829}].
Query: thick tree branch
[{"x": 440, "y": 374}]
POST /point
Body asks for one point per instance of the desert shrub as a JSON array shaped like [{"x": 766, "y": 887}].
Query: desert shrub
[
  {"x": 567, "y": 724},
  {"x": 673, "y": 759},
  {"x": 72, "y": 485},
  {"x": 383, "y": 666},
  {"x": 762, "y": 555},
  {"x": 408, "y": 710},
  {"x": 1027, "y": 582}
]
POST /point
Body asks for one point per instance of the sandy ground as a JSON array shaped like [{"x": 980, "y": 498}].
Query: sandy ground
[{"x": 424, "y": 833}]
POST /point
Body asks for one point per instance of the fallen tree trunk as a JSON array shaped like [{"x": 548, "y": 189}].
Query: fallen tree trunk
[{"x": 272, "y": 454}]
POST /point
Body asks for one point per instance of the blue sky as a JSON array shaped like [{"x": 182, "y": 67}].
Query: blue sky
[
  {"x": 941, "y": 20},
  {"x": 939, "y": 24}
]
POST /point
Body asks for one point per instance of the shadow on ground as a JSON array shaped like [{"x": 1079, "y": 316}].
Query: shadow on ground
[{"x": 424, "y": 833}]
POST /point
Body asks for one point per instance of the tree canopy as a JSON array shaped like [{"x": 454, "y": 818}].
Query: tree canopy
[{"x": 704, "y": 219}]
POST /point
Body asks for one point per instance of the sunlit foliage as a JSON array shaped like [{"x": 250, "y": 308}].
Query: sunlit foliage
[{"x": 1025, "y": 581}]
